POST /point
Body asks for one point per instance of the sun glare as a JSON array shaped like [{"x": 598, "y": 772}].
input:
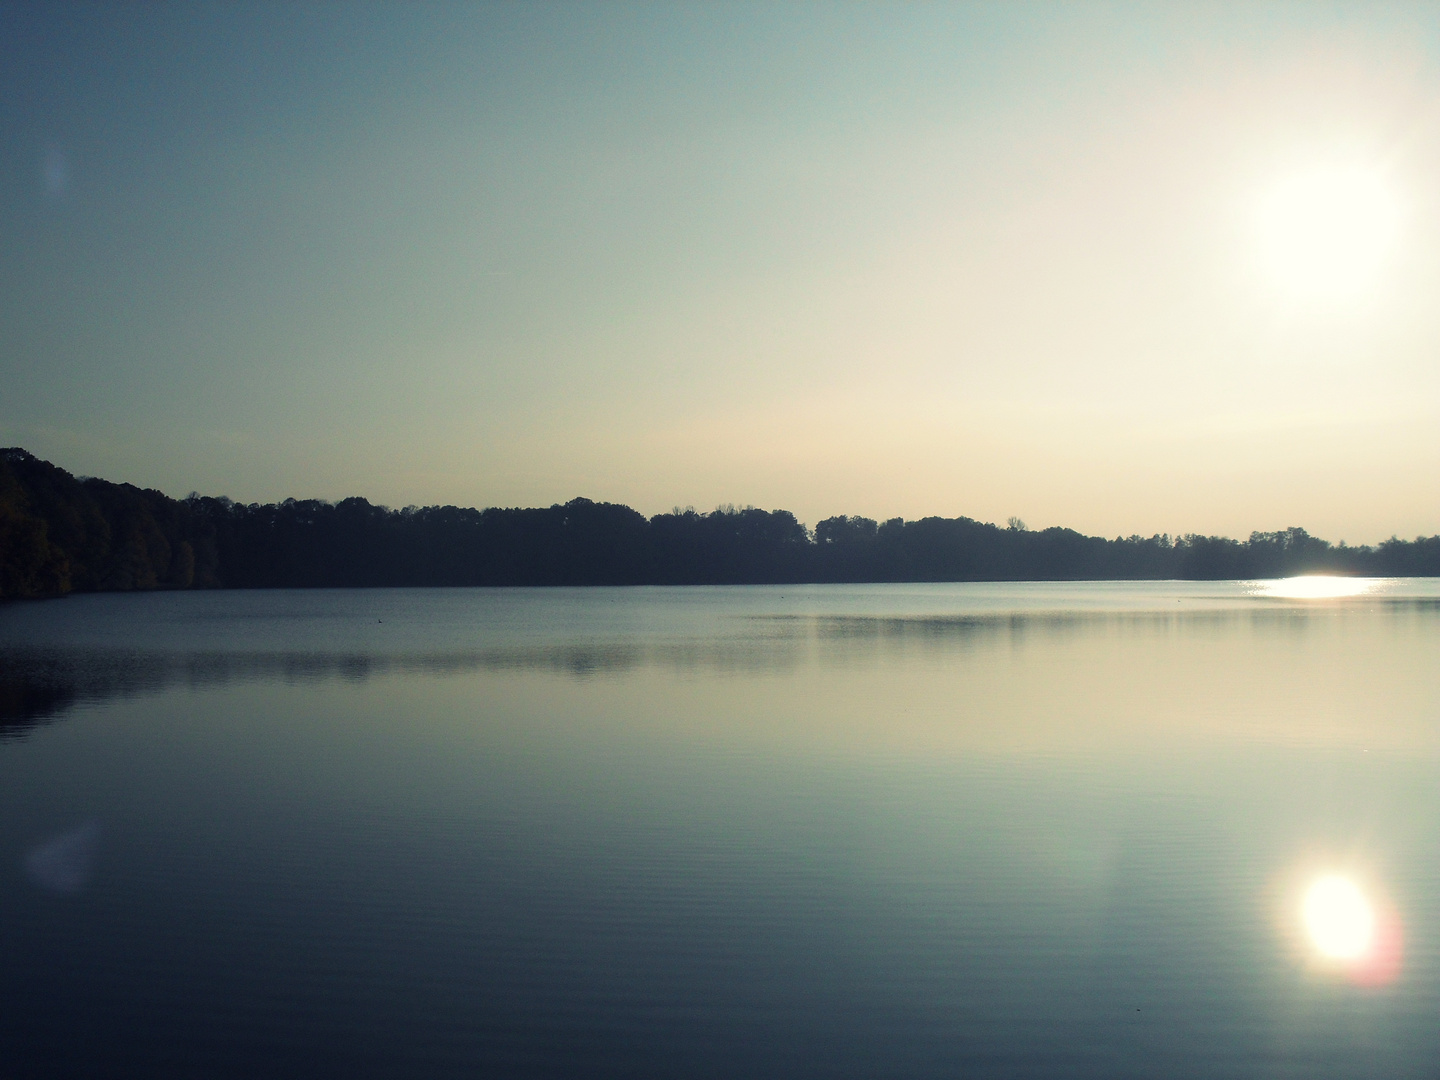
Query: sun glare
[
  {"x": 1325, "y": 233},
  {"x": 1338, "y": 918},
  {"x": 1315, "y": 587}
]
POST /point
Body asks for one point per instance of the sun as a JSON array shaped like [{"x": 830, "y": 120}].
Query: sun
[{"x": 1325, "y": 233}]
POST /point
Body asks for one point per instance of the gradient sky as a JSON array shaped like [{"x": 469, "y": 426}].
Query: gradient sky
[{"x": 886, "y": 260}]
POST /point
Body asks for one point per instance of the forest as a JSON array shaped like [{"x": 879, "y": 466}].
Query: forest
[{"x": 60, "y": 534}]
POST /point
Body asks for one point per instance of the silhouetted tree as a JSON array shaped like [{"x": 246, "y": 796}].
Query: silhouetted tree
[{"x": 59, "y": 533}]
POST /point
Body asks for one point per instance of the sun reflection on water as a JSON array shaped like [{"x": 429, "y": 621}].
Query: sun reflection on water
[
  {"x": 1315, "y": 587},
  {"x": 1339, "y": 919},
  {"x": 1349, "y": 932}
]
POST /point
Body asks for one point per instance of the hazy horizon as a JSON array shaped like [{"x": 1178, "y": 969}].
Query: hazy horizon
[{"x": 1120, "y": 268}]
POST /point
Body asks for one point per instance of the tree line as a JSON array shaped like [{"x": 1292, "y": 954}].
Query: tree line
[{"x": 60, "y": 534}]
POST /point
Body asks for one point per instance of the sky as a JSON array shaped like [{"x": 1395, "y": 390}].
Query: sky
[{"x": 1123, "y": 268}]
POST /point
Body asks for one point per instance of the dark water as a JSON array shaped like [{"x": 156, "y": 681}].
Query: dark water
[{"x": 889, "y": 831}]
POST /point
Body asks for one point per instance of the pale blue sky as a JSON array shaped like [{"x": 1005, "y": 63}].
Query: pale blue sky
[{"x": 907, "y": 259}]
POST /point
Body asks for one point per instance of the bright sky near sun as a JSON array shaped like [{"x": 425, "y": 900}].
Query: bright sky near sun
[{"x": 1124, "y": 268}]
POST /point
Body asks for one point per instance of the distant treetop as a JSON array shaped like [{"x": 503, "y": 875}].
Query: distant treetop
[{"x": 60, "y": 533}]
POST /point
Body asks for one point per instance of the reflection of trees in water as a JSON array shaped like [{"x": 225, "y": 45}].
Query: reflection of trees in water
[
  {"x": 38, "y": 686},
  {"x": 26, "y": 705},
  {"x": 845, "y": 635}
]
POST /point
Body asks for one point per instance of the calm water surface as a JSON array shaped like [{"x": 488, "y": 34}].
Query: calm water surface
[{"x": 870, "y": 831}]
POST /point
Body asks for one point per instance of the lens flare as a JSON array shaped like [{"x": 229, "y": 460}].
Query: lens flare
[{"x": 1339, "y": 919}]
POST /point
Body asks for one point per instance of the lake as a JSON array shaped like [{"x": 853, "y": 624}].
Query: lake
[{"x": 1096, "y": 829}]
